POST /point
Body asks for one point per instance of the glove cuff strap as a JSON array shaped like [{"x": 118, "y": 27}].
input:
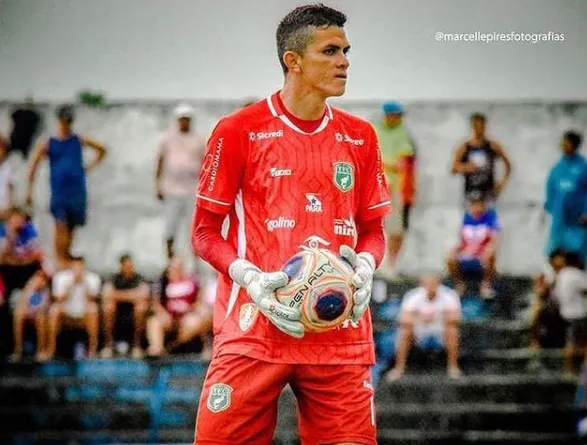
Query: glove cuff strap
[
  {"x": 241, "y": 271},
  {"x": 369, "y": 258}
]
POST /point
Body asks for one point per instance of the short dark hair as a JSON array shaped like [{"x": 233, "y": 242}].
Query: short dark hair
[
  {"x": 125, "y": 257},
  {"x": 77, "y": 259},
  {"x": 574, "y": 138},
  {"x": 478, "y": 116},
  {"x": 294, "y": 30},
  {"x": 65, "y": 113},
  {"x": 556, "y": 253}
]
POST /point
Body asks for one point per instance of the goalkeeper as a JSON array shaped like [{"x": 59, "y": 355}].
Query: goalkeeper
[{"x": 287, "y": 171}]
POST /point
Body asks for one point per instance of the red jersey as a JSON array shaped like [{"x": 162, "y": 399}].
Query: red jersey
[{"x": 283, "y": 188}]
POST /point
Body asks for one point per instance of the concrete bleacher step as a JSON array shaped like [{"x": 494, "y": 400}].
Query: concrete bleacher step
[
  {"x": 518, "y": 389},
  {"x": 386, "y": 437}
]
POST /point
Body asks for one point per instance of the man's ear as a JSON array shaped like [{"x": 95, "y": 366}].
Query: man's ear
[{"x": 292, "y": 61}]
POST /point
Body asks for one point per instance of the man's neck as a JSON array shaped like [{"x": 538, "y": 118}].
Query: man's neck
[
  {"x": 64, "y": 133},
  {"x": 303, "y": 103}
]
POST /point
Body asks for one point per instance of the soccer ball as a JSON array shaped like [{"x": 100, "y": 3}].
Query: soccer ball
[{"x": 320, "y": 285}]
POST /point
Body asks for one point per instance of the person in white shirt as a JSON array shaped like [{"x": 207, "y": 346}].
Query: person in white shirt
[
  {"x": 179, "y": 160},
  {"x": 429, "y": 316},
  {"x": 570, "y": 290},
  {"x": 76, "y": 291},
  {"x": 6, "y": 182}
]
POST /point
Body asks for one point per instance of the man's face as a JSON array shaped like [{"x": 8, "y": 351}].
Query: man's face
[
  {"x": 479, "y": 127},
  {"x": 127, "y": 267},
  {"x": 184, "y": 124},
  {"x": 430, "y": 283},
  {"x": 78, "y": 268},
  {"x": 567, "y": 147},
  {"x": 557, "y": 263},
  {"x": 15, "y": 222},
  {"x": 324, "y": 64},
  {"x": 393, "y": 119}
]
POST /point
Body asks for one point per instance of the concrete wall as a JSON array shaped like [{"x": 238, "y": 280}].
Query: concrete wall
[
  {"x": 225, "y": 49},
  {"x": 125, "y": 215}
]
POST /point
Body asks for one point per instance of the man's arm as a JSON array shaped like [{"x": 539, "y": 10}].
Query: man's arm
[
  {"x": 501, "y": 154},
  {"x": 40, "y": 152},
  {"x": 460, "y": 167},
  {"x": 98, "y": 148},
  {"x": 159, "y": 174}
]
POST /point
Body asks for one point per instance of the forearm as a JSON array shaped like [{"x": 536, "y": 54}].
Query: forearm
[
  {"x": 208, "y": 243},
  {"x": 371, "y": 239}
]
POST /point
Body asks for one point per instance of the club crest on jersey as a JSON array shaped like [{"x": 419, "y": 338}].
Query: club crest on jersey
[
  {"x": 219, "y": 397},
  {"x": 344, "y": 176},
  {"x": 247, "y": 316}
]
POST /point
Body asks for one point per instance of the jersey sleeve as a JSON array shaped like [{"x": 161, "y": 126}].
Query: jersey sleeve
[
  {"x": 222, "y": 170},
  {"x": 374, "y": 200},
  {"x": 494, "y": 221}
]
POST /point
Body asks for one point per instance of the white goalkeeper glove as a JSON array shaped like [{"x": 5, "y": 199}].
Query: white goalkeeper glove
[
  {"x": 261, "y": 286},
  {"x": 364, "y": 266}
]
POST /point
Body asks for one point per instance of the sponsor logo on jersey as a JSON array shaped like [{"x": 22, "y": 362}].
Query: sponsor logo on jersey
[
  {"x": 344, "y": 176},
  {"x": 212, "y": 163},
  {"x": 346, "y": 138},
  {"x": 261, "y": 135},
  {"x": 314, "y": 205},
  {"x": 219, "y": 397},
  {"x": 247, "y": 316},
  {"x": 315, "y": 241},
  {"x": 345, "y": 227},
  {"x": 278, "y": 172},
  {"x": 279, "y": 223}
]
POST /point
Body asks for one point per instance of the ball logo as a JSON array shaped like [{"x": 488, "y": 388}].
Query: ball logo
[{"x": 280, "y": 223}]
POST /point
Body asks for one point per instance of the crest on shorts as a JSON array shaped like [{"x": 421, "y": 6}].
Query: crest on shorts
[
  {"x": 344, "y": 176},
  {"x": 219, "y": 397},
  {"x": 247, "y": 316}
]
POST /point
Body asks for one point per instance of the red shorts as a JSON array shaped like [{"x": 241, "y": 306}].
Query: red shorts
[{"x": 238, "y": 405}]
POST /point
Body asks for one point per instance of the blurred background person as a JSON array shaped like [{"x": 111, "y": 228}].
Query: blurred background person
[
  {"x": 126, "y": 287},
  {"x": 565, "y": 198},
  {"x": 26, "y": 124},
  {"x": 476, "y": 251},
  {"x": 68, "y": 179},
  {"x": 75, "y": 293},
  {"x": 570, "y": 290},
  {"x": 547, "y": 327},
  {"x": 6, "y": 181},
  {"x": 429, "y": 318},
  {"x": 398, "y": 154},
  {"x": 179, "y": 160},
  {"x": 32, "y": 307},
  {"x": 476, "y": 159},
  {"x": 176, "y": 310}
]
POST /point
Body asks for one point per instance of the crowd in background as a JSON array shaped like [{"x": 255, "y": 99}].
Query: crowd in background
[{"x": 127, "y": 313}]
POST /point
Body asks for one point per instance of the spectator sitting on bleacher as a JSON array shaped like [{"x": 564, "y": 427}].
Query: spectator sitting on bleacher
[
  {"x": 569, "y": 290},
  {"x": 429, "y": 316},
  {"x": 20, "y": 252},
  {"x": 6, "y": 182},
  {"x": 76, "y": 291},
  {"x": 176, "y": 307},
  {"x": 547, "y": 328},
  {"x": 477, "y": 248},
  {"x": 32, "y": 307},
  {"x": 127, "y": 286}
]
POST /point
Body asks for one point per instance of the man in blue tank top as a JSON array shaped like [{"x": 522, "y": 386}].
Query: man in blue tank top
[{"x": 67, "y": 178}]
